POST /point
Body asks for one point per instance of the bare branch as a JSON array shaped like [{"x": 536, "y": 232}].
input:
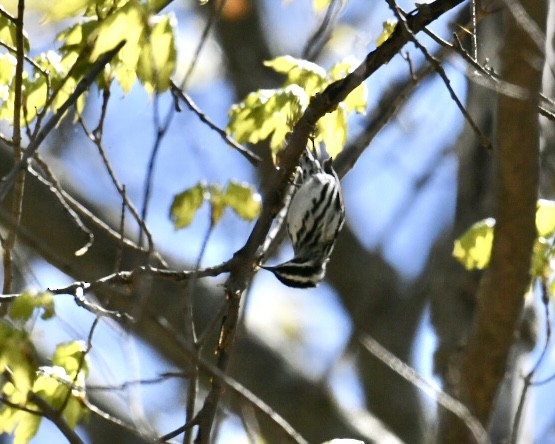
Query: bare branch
[
  {"x": 409, "y": 374},
  {"x": 253, "y": 158}
]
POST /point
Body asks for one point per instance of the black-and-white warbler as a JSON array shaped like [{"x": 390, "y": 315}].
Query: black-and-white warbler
[{"x": 314, "y": 218}]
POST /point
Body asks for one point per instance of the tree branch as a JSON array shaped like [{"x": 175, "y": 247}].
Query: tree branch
[
  {"x": 244, "y": 262},
  {"x": 501, "y": 292}
]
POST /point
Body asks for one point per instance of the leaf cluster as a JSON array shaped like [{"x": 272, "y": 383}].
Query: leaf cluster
[
  {"x": 271, "y": 113},
  {"x": 240, "y": 197},
  {"x": 49, "y": 78},
  {"x": 61, "y": 385}
]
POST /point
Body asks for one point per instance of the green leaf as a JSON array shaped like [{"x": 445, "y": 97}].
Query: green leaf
[
  {"x": 27, "y": 427},
  {"x": 23, "y": 307},
  {"x": 320, "y": 5},
  {"x": 53, "y": 386},
  {"x": 310, "y": 76},
  {"x": 266, "y": 112},
  {"x": 545, "y": 217},
  {"x": 356, "y": 101},
  {"x": 157, "y": 59},
  {"x": 128, "y": 24},
  {"x": 55, "y": 10},
  {"x": 473, "y": 248},
  {"x": 69, "y": 355},
  {"x": 332, "y": 130},
  {"x": 7, "y": 72},
  {"x": 18, "y": 356},
  {"x": 388, "y": 28},
  {"x": 243, "y": 199},
  {"x": 272, "y": 113},
  {"x": 186, "y": 204},
  {"x": 8, "y": 34}
]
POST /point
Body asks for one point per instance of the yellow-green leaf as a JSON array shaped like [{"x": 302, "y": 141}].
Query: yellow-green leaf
[
  {"x": 265, "y": 112},
  {"x": 127, "y": 23},
  {"x": 473, "y": 248},
  {"x": 310, "y": 76},
  {"x": 27, "y": 427},
  {"x": 545, "y": 217},
  {"x": 388, "y": 28},
  {"x": 185, "y": 205},
  {"x": 157, "y": 59},
  {"x": 7, "y": 72},
  {"x": 17, "y": 354},
  {"x": 8, "y": 34},
  {"x": 55, "y": 10},
  {"x": 69, "y": 355},
  {"x": 332, "y": 130},
  {"x": 243, "y": 199},
  {"x": 23, "y": 306},
  {"x": 320, "y": 5}
]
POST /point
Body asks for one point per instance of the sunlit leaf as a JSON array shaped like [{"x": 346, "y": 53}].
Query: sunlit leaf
[
  {"x": 343, "y": 441},
  {"x": 388, "y": 28},
  {"x": 310, "y": 76},
  {"x": 272, "y": 113},
  {"x": 7, "y": 72},
  {"x": 473, "y": 248},
  {"x": 27, "y": 427},
  {"x": 185, "y": 206},
  {"x": 545, "y": 217},
  {"x": 8, "y": 34},
  {"x": 69, "y": 355},
  {"x": 53, "y": 386},
  {"x": 264, "y": 112},
  {"x": 243, "y": 199},
  {"x": 17, "y": 354},
  {"x": 320, "y": 5},
  {"x": 332, "y": 130},
  {"x": 55, "y": 10},
  {"x": 23, "y": 307},
  {"x": 127, "y": 23},
  {"x": 157, "y": 59}
]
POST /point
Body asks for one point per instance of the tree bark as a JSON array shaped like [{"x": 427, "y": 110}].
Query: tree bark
[{"x": 500, "y": 295}]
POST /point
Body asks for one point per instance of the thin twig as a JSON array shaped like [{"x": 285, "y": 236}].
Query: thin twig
[
  {"x": 212, "y": 19},
  {"x": 191, "y": 335},
  {"x": 320, "y": 36},
  {"x": 19, "y": 178},
  {"x": 234, "y": 387},
  {"x": 402, "y": 17},
  {"x": 95, "y": 136},
  {"x": 528, "y": 378},
  {"x": 253, "y": 158},
  {"x": 409, "y": 374},
  {"x": 54, "y": 186}
]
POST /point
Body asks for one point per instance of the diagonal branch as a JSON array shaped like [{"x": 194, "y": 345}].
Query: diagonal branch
[{"x": 244, "y": 263}]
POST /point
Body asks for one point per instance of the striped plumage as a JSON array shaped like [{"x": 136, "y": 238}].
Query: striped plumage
[{"x": 314, "y": 218}]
